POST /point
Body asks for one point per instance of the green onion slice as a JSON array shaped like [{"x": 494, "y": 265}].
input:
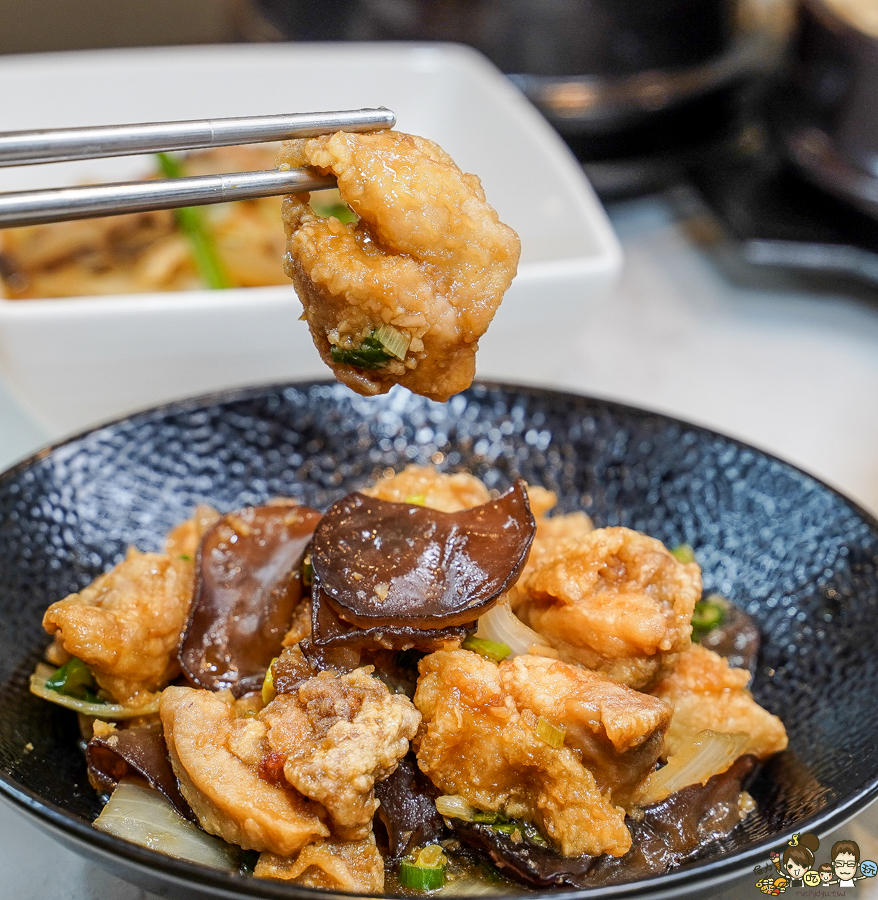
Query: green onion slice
[
  {"x": 98, "y": 710},
  {"x": 684, "y": 553},
  {"x": 268, "y": 691},
  {"x": 550, "y": 734},
  {"x": 489, "y": 649},
  {"x": 416, "y": 500},
  {"x": 392, "y": 340},
  {"x": 74, "y": 679},
  {"x": 192, "y": 224},
  {"x": 307, "y": 572},
  {"x": 426, "y": 872},
  {"x": 371, "y": 354},
  {"x": 708, "y": 614}
]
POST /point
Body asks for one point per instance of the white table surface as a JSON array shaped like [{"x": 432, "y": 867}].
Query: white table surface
[{"x": 784, "y": 362}]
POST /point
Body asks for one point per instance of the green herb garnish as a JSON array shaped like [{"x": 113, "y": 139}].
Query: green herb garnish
[
  {"x": 192, "y": 224},
  {"x": 490, "y": 649},
  {"x": 369, "y": 355},
  {"x": 684, "y": 553},
  {"x": 708, "y": 614},
  {"x": 424, "y": 872},
  {"x": 504, "y": 825},
  {"x": 74, "y": 679}
]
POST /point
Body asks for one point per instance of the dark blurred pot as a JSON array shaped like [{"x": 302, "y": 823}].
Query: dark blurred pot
[
  {"x": 604, "y": 72},
  {"x": 828, "y": 111},
  {"x": 612, "y": 38}
]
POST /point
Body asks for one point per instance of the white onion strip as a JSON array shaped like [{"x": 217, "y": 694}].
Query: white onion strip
[
  {"x": 139, "y": 814},
  {"x": 710, "y": 753},
  {"x": 502, "y": 625}
]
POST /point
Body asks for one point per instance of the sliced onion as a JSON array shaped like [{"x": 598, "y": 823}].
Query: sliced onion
[
  {"x": 501, "y": 625},
  {"x": 472, "y": 887},
  {"x": 453, "y": 806},
  {"x": 109, "y": 711},
  {"x": 709, "y": 754},
  {"x": 143, "y": 816}
]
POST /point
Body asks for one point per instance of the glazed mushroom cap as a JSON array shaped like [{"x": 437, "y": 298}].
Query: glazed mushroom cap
[
  {"x": 248, "y": 584},
  {"x": 381, "y": 563}
]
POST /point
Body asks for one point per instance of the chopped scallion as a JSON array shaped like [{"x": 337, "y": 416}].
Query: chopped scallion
[
  {"x": 268, "y": 691},
  {"x": 393, "y": 340},
  {"x": 427, "y": 876},
  {"x": 489, "y": 649},
  {"x": 551, "y": 734},
  {"x": 74, "y": 679},
  {"x": 370, "y": 354},
  {"x": 708, "y": 614},
  {"x": 684, "y": 553},
  {"x": 416, "y": 500},
  {"x": 307, "y": 572},
  {"x": 192, "y": 224}
]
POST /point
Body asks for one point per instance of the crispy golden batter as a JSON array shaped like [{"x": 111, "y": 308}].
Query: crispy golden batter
[
  {"x": 127, "y": 623},
  {"x": 618, "y": 732},
  {"x": 353, "y": 866},
  {"x": 476, "y": 742},
  {"x": 184, "y": 539},
  {"x": 216, "y": 758},
  {"x": 611, "y": 599},
  {"x": 707, "y": 693},
  {"x": 338, "y": 735},
  {"x": 429, "y": 487},
  {"x": 428, "y": 257}
]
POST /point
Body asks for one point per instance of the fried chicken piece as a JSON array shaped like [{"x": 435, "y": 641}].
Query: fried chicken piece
[
  {"x": 476, "y": 742},
  {"x": 611, "y": 599},
  {"x": 428, "y": 257},
  {"x": 432, "y": 488},
  {"x": 353, "y": 866},
  {"x": 126, "y": 624},
  {"x": 338, "y": 735},
  {"x": 184, "y": 539},
  {"x": 217, "y": 757},
  {"x": 707, "y": 693},
  {"x": 618, "y": 732}
]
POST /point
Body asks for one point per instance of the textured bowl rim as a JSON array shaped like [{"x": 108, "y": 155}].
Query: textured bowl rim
[{"x": 701, "y": 874}]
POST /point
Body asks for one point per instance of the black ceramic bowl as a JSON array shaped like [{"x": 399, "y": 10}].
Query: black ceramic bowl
[{"x": 799, "y": 557}]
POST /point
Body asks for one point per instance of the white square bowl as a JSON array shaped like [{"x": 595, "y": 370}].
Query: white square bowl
[{"x": 73, "y": 362}]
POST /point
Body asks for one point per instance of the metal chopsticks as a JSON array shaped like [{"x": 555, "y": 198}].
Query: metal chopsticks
[{"x": 59, "y": 145}]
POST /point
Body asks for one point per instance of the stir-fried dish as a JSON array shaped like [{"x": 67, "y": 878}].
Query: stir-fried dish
[{"x": 425, "y": 687}]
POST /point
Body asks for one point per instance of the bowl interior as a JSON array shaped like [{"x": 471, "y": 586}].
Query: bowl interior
[{"x": 797, "y": 556}]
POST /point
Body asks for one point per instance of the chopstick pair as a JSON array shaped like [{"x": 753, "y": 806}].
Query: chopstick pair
[{"x": 81, "y": 202}]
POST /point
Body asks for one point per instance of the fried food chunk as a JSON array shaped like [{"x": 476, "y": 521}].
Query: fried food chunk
[
  {"x": 127, "y": 623},
  {"x": 428, "y": 257},
  {"x": 477, "y": 742},
  {"x": 431, "y": 488},
  {"x": 353, "y": 866},
  {"x": 338, "y": 735},
  {"x": 216, "y": 757},
  {"x": 618, "y": 732},
  {"x": 184, "y": 539},
  {"x": 611, "y": 599},
  {"x": 707, "y": 693}
]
